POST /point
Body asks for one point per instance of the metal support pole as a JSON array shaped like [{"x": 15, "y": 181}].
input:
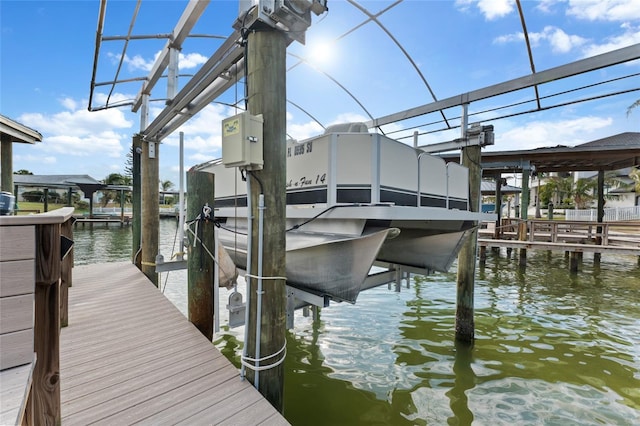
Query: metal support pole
[{"x": 172, "y": 74}]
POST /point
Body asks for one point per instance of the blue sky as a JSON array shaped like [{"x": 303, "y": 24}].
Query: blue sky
[{"x": 47, "y": 48}]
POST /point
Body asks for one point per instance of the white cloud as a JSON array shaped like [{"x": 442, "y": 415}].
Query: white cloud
[
  {"x": 78, "y": 132},
  {"x": 349, "y": 117},
  {"x": 78, "y": 123},
  {"x": 191, "y": 60},
  {"x": 559, "y": 41},
  {"x": 604, "y": 10},
  {"x": 304, "y": 130},
  {"x": 631, "y": 35},
  {"x": 536, "y": 134},
  {"x": 562, "y": 42},
  {"x": 203, "y": 131},
  {"x": 491, "y": 9},
  {"x": 36, "y": 159},
  {"x": 137, "y": 62},
  {"x": 69, "y": 104},
  {"x": 546, "y": 6}
]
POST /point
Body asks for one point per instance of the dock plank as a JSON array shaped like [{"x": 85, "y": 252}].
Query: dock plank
[{"x": 129, "y": 356}]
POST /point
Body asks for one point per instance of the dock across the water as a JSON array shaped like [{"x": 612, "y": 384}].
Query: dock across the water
[
  {"x": 130, "y": 356},
  {"x": 571, "y": 237}
]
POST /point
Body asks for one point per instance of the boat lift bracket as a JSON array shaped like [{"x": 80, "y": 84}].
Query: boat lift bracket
[{"x": 476, "y": 135}]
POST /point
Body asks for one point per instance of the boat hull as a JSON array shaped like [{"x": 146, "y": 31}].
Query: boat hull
[{"x": 325, "y": 265}]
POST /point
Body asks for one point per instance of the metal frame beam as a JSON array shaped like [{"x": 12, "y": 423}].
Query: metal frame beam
[
  {"x": 604, "y": 60},
  {"x": 220, "y": 72},
  {"x": 185, "y": 24}
]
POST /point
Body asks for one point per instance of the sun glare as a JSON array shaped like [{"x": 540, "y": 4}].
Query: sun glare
[{"x": 321, "y": 53}]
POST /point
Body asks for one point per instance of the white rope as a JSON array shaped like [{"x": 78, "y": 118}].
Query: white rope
[
  {"x": 265, "y": 278},
  {"x": 244, "y": 359}
]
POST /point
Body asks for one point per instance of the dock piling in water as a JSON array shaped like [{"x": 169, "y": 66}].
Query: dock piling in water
[
  {"x": 465, "y": 325},
  {"x": 200, "y": 265}
]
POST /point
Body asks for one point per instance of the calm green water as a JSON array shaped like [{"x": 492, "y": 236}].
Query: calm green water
[{"x": 551, "y": 348}]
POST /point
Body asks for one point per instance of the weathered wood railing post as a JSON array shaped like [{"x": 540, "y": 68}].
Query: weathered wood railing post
[
  {"x": 32, "y": 268},
  {"x": 200, "y": 187},
  {"x": 46, "y": 340},
  {"x": 66, "y": 274}
]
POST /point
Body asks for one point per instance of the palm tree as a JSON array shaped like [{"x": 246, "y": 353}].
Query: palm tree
[
  {"x": 634, "y": 105},
  {"x": 584, "y": 192},
  {"x": 166, "y": 185},
  {"x": 560, "y": 187},
  {"x": 635, "y": 175},
  {"x": 111, "y": 179}
]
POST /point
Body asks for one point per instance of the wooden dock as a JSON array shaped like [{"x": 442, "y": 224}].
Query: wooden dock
[
  {"x": 571, "y": 237},
  {"x": 129, "y": 356}
]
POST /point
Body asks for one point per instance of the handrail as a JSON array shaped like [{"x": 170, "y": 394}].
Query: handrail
[
  {"x": 51, "y": 217},
  {"x": 50, "y": 234}
]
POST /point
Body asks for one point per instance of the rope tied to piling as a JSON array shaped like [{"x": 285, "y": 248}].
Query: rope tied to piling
[{"x": 251, "y": 363}]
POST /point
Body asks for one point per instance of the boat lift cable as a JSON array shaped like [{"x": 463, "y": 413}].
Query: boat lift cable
[
  {"x": 406, "y": 54},
  {"x": 338, "y": 83},
  {"x": 124, "y": 49},
  {"x": 327, "y": 210},
  {"x": 307, "y": 113},
  {"x": 526, "y": 40},
  {"x": 529, "y": 111},
  {"x": 343, "y": 35}
]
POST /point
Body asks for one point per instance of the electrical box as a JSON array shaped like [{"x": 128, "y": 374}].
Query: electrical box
[{"x": 242, "y": 142}]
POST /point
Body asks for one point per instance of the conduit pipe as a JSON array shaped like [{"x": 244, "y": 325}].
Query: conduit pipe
[
  {"x": 261, "y": 209},
  {"x": 247, "y": 278}
]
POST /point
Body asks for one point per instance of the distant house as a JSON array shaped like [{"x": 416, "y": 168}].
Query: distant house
[{"x": 621, "y": 195}]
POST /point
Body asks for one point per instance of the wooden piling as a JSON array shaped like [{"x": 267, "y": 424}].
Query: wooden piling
[
  {"x": 498, "y": 207},
  {"x": 150, "y": 208},
  {"x": 6, "y": 164},
  {"x": 574, "y": 260},
  {"x": 600, "y": 191},
  {"x": 465, "y": 326},
  {"x": 522, "y": 236},
  {"x": 266, "y": 80},
  {"x": 200, "y": 302},
  {"x": 136, "y": 198}
]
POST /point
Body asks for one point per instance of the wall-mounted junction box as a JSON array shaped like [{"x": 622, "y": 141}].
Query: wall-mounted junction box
[{"x": 242, "y": 141}]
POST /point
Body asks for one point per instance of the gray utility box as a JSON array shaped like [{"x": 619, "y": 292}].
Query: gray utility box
[{"x": 242, "y": 141}]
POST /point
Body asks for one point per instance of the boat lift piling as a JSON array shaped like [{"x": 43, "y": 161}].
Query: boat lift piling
[
  {"x": 266, "y": 78},
  {"x": 465, "y": 282},
  {"x": 150, "y": 205}
]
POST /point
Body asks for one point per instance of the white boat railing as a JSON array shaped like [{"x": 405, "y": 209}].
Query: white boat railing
[
  {"x": 115, "y": 211},
  {"x": 617, "y": 214},
  {"x": 111, "y": 210}
]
